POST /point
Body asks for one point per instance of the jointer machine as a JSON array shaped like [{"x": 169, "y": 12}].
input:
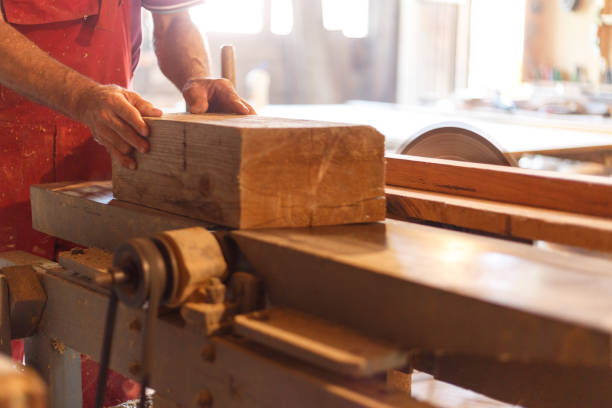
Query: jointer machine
[{"x": 248, "y": 262}]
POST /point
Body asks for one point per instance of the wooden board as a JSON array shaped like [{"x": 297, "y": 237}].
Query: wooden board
[
  {"x": 521, "y": 131},
  {"x": 428, "y": 288},
  {"x": 590, "y": 195},
  {"x": 256, "y": 172},
  {"x": 509, "y": 220},
  {"x": 86, "y": 214}
]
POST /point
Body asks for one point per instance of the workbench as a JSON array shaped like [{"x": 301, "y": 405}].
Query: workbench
[
  {"x": 578, "y": 137},
  {"x": 475, "y": 311},
  {"x": 319, "y": 315}
]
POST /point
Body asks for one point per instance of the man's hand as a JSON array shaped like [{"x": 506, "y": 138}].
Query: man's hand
[
  {"x": 183, "y": 57},
  {"x": 214, "y": 95},
  {"x": 114, "y": 116}
]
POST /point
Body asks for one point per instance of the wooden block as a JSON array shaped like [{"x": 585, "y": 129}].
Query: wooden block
[
  {"x": 27, "y": 299},
  {"x": 511, "y": 220},
  {"x": 433, "y": 289},
  {"x": 256, "y": 172},
  {"x": 589, "y": 195}
]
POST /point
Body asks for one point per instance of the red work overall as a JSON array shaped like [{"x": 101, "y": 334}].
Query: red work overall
[{"x": 38, "y": 145}]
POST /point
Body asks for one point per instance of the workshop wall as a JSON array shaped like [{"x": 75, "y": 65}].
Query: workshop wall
[{"x": 557, "y": 38}]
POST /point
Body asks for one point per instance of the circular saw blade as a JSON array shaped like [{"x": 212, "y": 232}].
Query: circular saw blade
[{"x": 455, "y": 141}]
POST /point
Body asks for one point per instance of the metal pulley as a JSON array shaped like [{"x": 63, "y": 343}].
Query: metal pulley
[
  {"x": 181, "y": 260},
  {"x": 150, "y": 272}
]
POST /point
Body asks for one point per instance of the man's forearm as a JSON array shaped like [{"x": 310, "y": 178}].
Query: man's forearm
[
  {"x": 181, "y": 51},
  {"x": 31, "y": 72}
]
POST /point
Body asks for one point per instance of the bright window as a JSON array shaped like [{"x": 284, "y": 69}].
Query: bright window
[
  {"x": 281, "y": 17},
  {"x": 496, "y": 44},
  {"x": 229, "y": 16},
  {"x": 352, "y": 17}
]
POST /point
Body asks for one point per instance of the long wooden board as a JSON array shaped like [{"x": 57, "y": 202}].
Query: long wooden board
[
  {"x": 256, "y": 172},
  {"x": 509, "y": 220},
  {"x": 515, "y": 132},
  {"x": 590, "y": 195},
  {"x": 435, "y": 289}
]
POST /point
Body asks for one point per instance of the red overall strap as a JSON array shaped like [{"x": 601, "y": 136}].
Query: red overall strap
[{"x": 38, "y": 145}]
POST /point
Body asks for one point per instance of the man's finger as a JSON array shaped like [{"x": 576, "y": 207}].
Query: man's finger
[
  {"x": 229, "y": 100},
  {"x": 128, "y": 134},
  {"x": 239, "y": 107},
  {"x": 249, "y": 107},
  {"x": 124, "y": 160},
  {"x": 196, "y": 98},
  {"x": 131, "y": 115},
  {"x": 109, "y": 137},
  {"x": 145, "y": 107}
]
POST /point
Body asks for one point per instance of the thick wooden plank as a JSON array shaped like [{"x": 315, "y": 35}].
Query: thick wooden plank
[
  {"x": 434, "y": 289},
  {"x": 86, "y": 214},
  {"x": 511, "y": 220},
  {"x": 590, "y": 195},
  {"x": 256, "y": 172},
  {"x": 236, "y": 374}
]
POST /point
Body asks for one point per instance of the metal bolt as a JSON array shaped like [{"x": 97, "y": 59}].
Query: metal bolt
[
  {"x": 135, "y": 325},
  {"x": 106, "y": 280},
  {"x": 205, "y": 399},
  {"x": 208, "y": 353},
  {"x": 134, "y": 368}
]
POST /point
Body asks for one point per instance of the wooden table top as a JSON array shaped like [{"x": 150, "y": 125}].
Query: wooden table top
[{"x": 514, "y": 133}]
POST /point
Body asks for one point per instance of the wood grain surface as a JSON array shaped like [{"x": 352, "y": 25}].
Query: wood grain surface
[
  {"x": 436, "y": 289},
  {"x": 509, "y": 220},
  {"x": 590, "y": 195},
  {"x": 256, "y": 172},
  {"x": 86, "y": 214}
]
